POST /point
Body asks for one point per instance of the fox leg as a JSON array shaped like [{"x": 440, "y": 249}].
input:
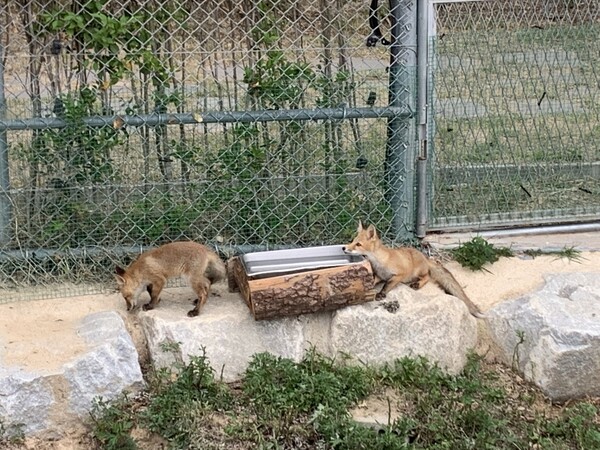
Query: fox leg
[
  {"x": 201, "y": 287},
  {"x": 389, "y": 285},
  {"x": 154, "y": 289},
  {"x": 418, "y": 283}
]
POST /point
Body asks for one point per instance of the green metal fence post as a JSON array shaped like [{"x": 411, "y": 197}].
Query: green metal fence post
[{"x": 400, "y": 154}]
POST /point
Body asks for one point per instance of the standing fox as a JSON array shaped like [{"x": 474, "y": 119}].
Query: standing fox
[
  {"x": 404, "y": 265},
  {"x": 200, "y": 265}
]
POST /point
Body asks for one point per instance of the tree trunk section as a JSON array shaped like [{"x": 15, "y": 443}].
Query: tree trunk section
[{"x": 303, "y": 292}]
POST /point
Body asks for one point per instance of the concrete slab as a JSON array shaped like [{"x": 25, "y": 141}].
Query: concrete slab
[{"x": 587, "y": 241}]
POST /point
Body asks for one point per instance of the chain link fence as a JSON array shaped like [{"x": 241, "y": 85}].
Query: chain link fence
[
  {"x": 516, "y": 105},
  {"x": 250, "y": 125},
  {"x": 243, "y": 125}
]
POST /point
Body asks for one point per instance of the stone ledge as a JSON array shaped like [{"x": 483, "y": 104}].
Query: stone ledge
[{"x": 437, "y": 327}]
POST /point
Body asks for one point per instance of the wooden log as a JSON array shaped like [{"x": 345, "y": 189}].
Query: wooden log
[{"x": 305, "y": 292}]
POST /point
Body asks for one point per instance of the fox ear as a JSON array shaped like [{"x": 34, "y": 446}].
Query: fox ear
[
  {"x": 119, "y": 275},
  {"x": 371, "y": 232},
  {"x": 360, "y": 227}
]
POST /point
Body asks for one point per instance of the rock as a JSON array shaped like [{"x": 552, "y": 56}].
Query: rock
[
  {"x": 552, "y": 336},
  {"x": 25, "y": 402},
  {"x": 109, "y": 368},
  {"x": 45, "y": 401},
  {"x": 225, "y": 329},
  {"x": 406, "y": 323},
  {"x": 379, "y": 410}
]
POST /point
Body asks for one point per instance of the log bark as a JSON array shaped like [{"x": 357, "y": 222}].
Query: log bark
[{"x": 304, "y": 292}]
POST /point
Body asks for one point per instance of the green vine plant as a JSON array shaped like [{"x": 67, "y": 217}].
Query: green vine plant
[
  {"x": 95, "y": 46},
  {"x": 106, "y": 44},
  {"x": 258, "y": 153},
  {"x": 103, "y": 47}
]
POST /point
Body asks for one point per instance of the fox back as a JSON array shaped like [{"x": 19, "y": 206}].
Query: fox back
[{"x": 188, "y": 259}]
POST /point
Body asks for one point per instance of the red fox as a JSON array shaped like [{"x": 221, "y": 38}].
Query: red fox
[
  {"x": 151, "y": 270},
  {"x": 404, "y": 265}
]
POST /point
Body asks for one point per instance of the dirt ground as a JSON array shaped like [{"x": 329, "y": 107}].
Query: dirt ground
[{"x": 41, "y": 335}]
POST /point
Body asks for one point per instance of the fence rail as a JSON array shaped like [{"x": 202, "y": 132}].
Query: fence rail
[{"x": 212, "y": 117}]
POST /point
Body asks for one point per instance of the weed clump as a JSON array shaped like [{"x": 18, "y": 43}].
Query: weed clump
[
  {"x": 112, "y": 423},
  {"x": 478, "y": 252},
  {"x": 570, "y": 253},
  {"x": 11, "y": 434}
]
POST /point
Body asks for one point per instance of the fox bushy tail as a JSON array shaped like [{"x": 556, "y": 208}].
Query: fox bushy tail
[
  {"x": 448, "y": 283},
  {"x": 216, "y": 270}
]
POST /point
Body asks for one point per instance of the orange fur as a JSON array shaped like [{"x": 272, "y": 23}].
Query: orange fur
[
  {"x": 151, "y": 270},
  {"x": 404, "y": 265}
]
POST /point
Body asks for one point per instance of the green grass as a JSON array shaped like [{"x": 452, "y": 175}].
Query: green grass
[
  {"x": 505, "y": 74},
  {"x": 12, "y": 435},
  {"x": 521, "y": 196},
  {"x": 281, "y": 404},
  {"x": 570, "y": 253},
  {"x": 512, "y": 138}
]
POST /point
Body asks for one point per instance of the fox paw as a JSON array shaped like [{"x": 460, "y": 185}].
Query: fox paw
[
  {"x": 147, "y": 307},
  {"x": 380, "y": 296},
  {"x": 192, "y": 313}
]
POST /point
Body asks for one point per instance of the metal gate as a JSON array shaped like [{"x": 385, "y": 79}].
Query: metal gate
[{"x": 515, "y": 90}]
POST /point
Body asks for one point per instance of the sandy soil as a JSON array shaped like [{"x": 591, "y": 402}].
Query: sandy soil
[
  {"x": 40, "y": 336},
  {"x": 509, "y": 278}
]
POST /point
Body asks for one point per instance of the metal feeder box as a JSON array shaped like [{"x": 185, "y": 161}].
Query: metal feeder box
[{"x": 299, "y": 281}]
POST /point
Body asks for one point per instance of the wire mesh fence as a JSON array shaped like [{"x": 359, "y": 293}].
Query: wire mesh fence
[
  {"x": 242, "y": 125},
  {"x": 516, "y": 88},
  {"x": 248, "y": 125}
]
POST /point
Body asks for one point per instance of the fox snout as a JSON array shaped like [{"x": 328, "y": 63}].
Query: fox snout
[
  {"x": 128, "y": 301},
  {"x": 350, "y": 249}
]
